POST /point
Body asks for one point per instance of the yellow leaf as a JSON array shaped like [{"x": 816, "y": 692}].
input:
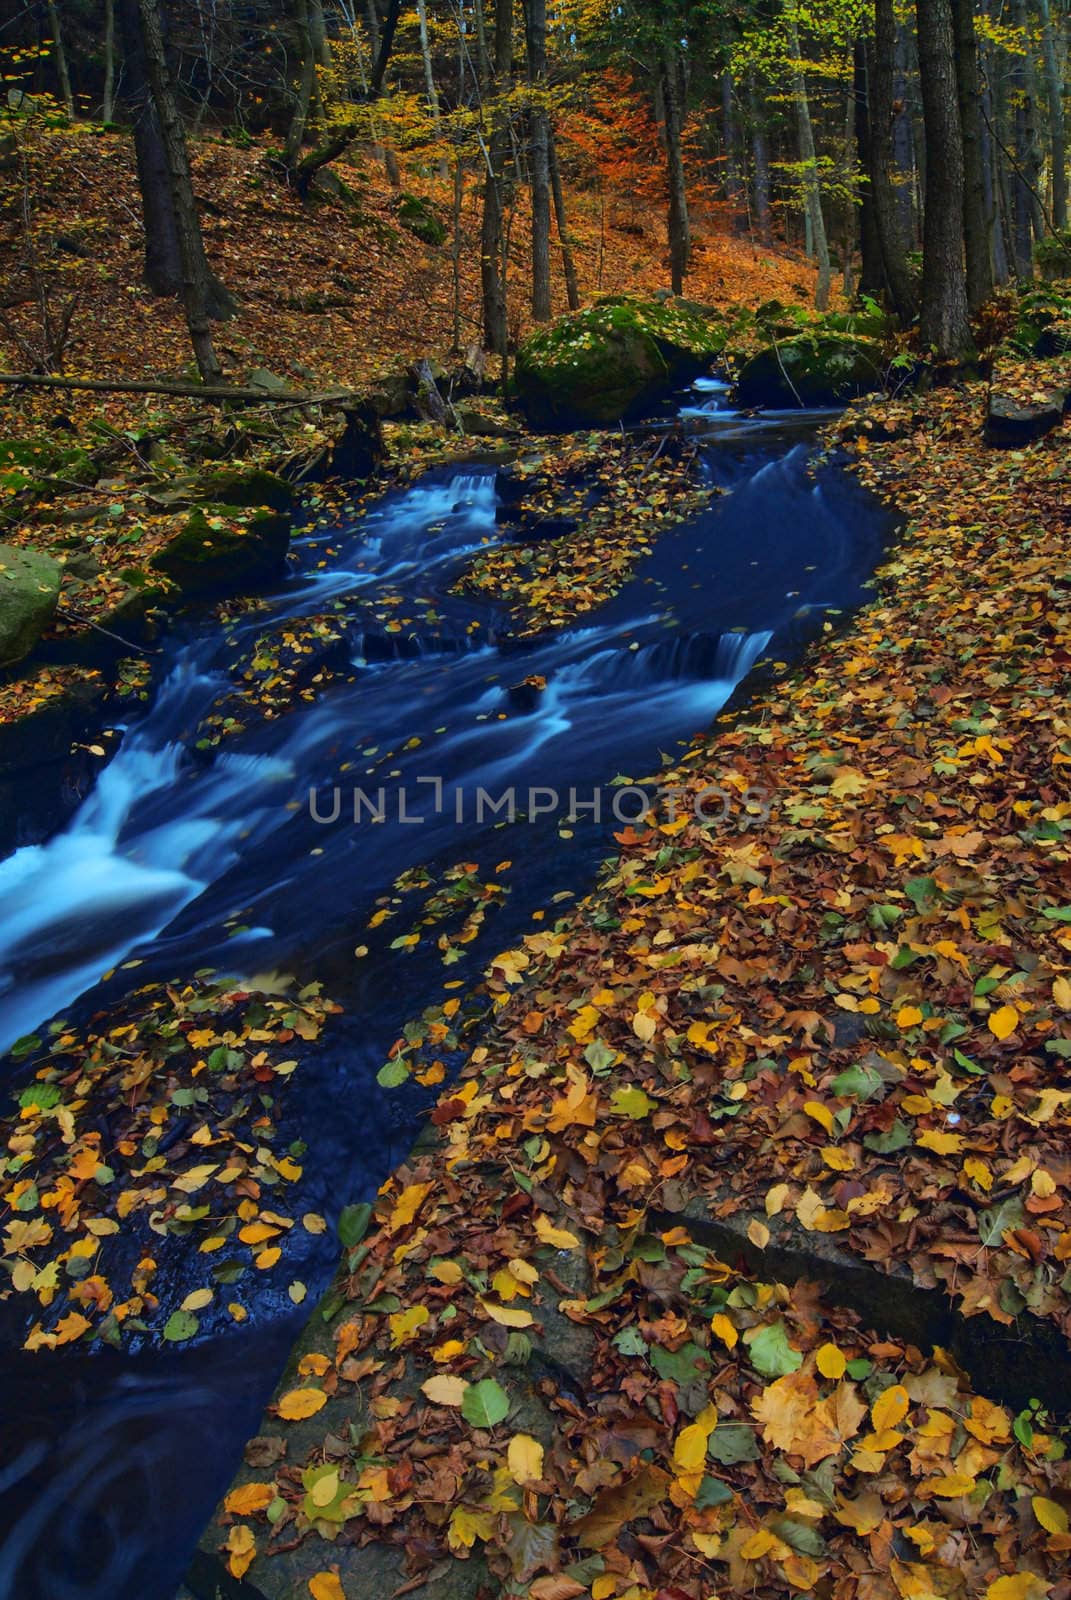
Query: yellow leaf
[
  {"x": 1023, "y": 1586},
  {"x": 507, "y": 1316},
  {"x": 775, "y": 1199},
  {"x": 301, "y": 1403},
  {"x": 908, "y": 1017},
  {"x": 241, "y": 1550},
  {"x": 525, "y": 1458},
  {"x": 889, "y": 1408},
  {"x": 467, "y": 1526},
  {"x": 267, "y": 1258},
  {"x": 831, "y": 1362},
  {"x": 257, "y": 1233},
  {"x": 249, "y": 1499},
  {"x": 690, "y": 1448},
  {"x": 447, "y": 1272},
  {"x": 1004, "y": 1022},
  {"x": 195, "y": 1179},
  {"x": 324, "y": 1489},
  {"x": 1053, "y": 1518},
  {"x": 820, "y": 1114},
  {"x": 196, "y": 1300},
  {"x": 447, "y": 1350},
  {"x": 950, "y": 1487},
  {"x": 838, "y": 1160},
  {"x": 758, "y": 1233},
  {"x": 944, "y": 1144},
  {"x": 407, "y": 1205},
  {"x": 760, "y": 1544},
  {"x": 444, "y": 1390},
  {"x": 404, "y": 1324},
  {"x": 325, "y": 1586},
  {"x": 559, "y": 1238},
  {"x": 1061, "y": 993},
  {"x": 978, "y": 1172},
  {"x": 724, "y": 1329}
]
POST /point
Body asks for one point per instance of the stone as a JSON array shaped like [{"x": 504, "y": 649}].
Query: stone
[
  {"x": 225, "y": 550},
  {"x": 1009, "y": 425},
  {"x": 29, "y": 595},
  {"x": 482, "y": 427},
  {"x": 418, "y": 217},
  {"x": 270, "y": 382},
  {"x": 614, "y": 360},
  {"x": 247, "y": 486},
  {"x": 822, "y": 370}
]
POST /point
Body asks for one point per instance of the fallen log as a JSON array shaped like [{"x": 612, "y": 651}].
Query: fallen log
[{"x": 187, "y": 390}]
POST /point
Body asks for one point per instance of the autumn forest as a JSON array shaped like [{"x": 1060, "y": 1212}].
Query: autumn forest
[{"x": 535, "y": 793}]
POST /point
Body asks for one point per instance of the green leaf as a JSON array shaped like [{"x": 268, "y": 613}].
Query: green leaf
[
  {"x": 42, "y": 1095},
  {"x": 25, "y": 1047},
  {"x": 630, "y": 1342},
  {"x": 1057, "y": 913},
  {"x": 712, "y": 1492},
  {"x": 884, "y": 1143},
  {"x": 632, "y": 1103},
  {"x": 392, "y": 1073},
  {"x": 485, "y": 1403},
  {"x": 599, "y": 1057},
  {"x": 180, "y": 1325},
  {"x": 353, "y": 1224},
  {"x": 994, "y": 1223},
  {"x": 770, "y": 1352},
  {"x": 861, "y": 1081},
  {"x": 732, "y": 1442}
]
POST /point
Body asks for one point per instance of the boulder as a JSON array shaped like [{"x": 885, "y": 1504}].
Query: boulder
[
  {"x": 479, "y": 426},
  {"x": 248, "y": 486},
  {"x": 1010, "y": 424},
  {"x": 29, "y": 595},
  {"x": 417, "y": 216},
  {"x": 811, "y": 371},
  {"x": 614, "y": 360},
  {"x": 225, "y": 550}
]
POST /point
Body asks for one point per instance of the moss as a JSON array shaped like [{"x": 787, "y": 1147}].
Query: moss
[
  {"x": 812, "y": 371},
  {"x": 251, "y": 486},
  {"x": 612, "y": 360},
  {"x": 418, "y": 217},
  {"x": 225, "y": 550}
]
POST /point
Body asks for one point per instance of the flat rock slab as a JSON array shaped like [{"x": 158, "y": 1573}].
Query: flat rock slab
[{"x": 1017, "y": 1363}]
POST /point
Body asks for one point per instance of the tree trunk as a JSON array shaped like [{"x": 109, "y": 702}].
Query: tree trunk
[
  {"x": 680, "y": 243},
  {"x": 492, "y": 260},
  {"x": 734, "y": 190},
  {"x": 429, "y": 80},
  {"x": 568, "y": 264},
  {"x": 61, "y": 58},
  {"x": 809, "y": 162},
  {"x": 195, "y": 274},
  {"x": 760, "y": 159},
  {"x": 1054, "y": 89},
  {"x": 871, "y": 266},
  {"x": 306, "y": 84},
  {"x": 943, "y": 324},
  {"x": 107, "y": 107},
  {"x": 884, "y": 116},
  {"x": 535, "y": 13},
  {"x": 977, "y": 240}
]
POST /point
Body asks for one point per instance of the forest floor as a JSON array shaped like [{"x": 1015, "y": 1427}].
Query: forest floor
[{"x": 831, "y": 1042}]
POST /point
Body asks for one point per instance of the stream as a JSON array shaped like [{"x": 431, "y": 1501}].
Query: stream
[{"x": 111, "y": 1463}]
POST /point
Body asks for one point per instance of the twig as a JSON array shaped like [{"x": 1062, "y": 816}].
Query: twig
[{"x": 127, "y": 644}]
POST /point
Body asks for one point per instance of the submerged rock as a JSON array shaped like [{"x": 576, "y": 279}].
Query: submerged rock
[
  {"x": 29, "y": 595},
  {"x": 808, "y": 371},
  {"x": 612, "y": 361}
]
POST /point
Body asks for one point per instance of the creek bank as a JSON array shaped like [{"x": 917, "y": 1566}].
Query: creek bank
[{"x": 678, "y": 1035}]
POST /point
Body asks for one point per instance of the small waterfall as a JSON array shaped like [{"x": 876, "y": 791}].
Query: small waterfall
[{"x": 701, "y": 657}]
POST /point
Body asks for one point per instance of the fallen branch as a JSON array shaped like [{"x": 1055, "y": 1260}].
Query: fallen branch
[{"x": 190, "y": 390}]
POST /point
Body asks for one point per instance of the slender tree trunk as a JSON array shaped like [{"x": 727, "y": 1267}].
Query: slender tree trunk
[
  {"x": 680, "y": 242},
  {"x": 976, "y": 236},
  {"x": 60, "y": 53},
  {"x": 107, "y": 108},
  {"x": 429, "y": 80},
  {"x": 903, "y": 137},
  {"x": 306, "y": 83},
  {"x": 809, "y": 162},
  {"x": 884, "y": 116},
  {"x": 195, "y": 274},
  {"x": 568, "y": 264},
  {"x": 760, "y": 160},
  {"x": 734, "y": 189},
  {"x": 492, "y": 261},
  {"x": 944, "y": 322},
  {"x": 535, "y": 12},
  {"x": 1054, "y": 89},
  {"x": 871, "y": 266},
  {"x": 483, "y": 55}
]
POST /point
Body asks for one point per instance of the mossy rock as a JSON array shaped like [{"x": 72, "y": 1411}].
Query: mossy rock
[
  {"x": 224, "y": 550},
  {"x": 32, "y": 463},
  {"x": 249, "y": 486},
  {"x": 29, "y": 595},
  {"x": 612, "y": 361},
  {"x": 861, "y": 324},
  {"x": 418, "y": 217},
  {"x": 822, "y": 371}
]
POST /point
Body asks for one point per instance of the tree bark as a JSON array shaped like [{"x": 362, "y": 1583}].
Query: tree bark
[
  {"x": 680, "y": 242},
  {"x": 107, "y": 107},
  {"x": 572, "y": 290},
  {"x": 809, "y": 162},
  {"x": 62, "y": 71},
  {"x": 535, "y": 14},
  {"x": 943, "y": 323},
  {"x": 871, "y": 265},
  {"x": 492, "y": 261},
  {"x": 760, "y": 165},
  {"x": 1054, "y": 90},
  {"x": 977, "y": 239},
  {"x": 429, "y": 81},
  {"x": 299, "y": 116},
  {"x": 196, "y": 287}
]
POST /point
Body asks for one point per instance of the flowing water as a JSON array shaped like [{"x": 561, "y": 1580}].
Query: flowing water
[{"x": 252, "y": 861}]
